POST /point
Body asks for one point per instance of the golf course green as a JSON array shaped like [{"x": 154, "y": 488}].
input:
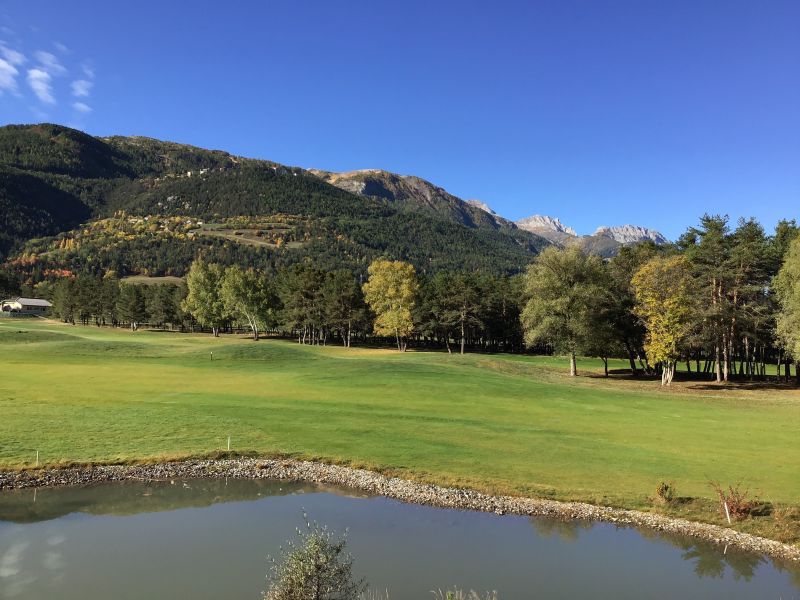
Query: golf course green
[{"x": 510, "y": 424}]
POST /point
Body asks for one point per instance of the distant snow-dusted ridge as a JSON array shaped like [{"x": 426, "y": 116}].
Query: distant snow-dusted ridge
[
  {"x": 538, "y": 222},
  {"x": 605, "y": 241},
  {"x": 631, "y": 234},
  {"x": 624, "y": 234}
]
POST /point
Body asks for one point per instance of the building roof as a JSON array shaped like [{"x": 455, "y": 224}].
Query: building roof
[{"x": 33, "y": 302}]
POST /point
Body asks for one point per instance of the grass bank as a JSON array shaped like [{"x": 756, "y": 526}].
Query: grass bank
[{"x": 500, "y": 424}]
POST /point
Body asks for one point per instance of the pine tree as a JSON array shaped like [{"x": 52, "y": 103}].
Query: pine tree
[{"x": 130, "y": 305}]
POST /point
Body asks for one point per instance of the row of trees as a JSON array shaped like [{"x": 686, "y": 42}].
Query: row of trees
[
  {"x": 315, "y": 305},
  {"x": 724, "y": 299},
  {"x": 92, "y": 300}
]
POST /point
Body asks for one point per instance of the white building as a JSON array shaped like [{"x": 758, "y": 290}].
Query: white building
[{"x": 25, "y": 306}]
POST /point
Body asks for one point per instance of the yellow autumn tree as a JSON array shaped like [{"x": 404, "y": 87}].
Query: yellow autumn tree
[
  {"x": 664, "y": 304},
  {"x": 391, "y": 293}
]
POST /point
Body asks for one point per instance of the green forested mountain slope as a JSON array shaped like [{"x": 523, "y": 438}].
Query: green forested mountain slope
[
  {"x": 414, "y": 193},
  {"x": 53, "y": 178}
]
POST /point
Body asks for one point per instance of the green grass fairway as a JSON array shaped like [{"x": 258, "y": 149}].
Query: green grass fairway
[{"x": 499, "y": 423}]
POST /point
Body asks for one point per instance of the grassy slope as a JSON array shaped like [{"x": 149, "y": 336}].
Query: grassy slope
[{"x": 506, "y": 424}]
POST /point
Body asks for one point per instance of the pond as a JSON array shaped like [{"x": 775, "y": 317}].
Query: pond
[{"x": 204, "y": 539}]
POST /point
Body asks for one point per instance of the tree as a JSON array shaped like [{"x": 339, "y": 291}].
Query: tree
[
  {"x": 432, "y": 312},
  {"x": 89, "y": 297},
  {"x": 708, "y": 250},
  {"x": 732, "y": 271},
  {"x": 300, "y": 290},
  {"x": 160, "y": 304},
  {"x": 749, "y": 308},
  {"x": 626, "y": 327},
  {"x": 787, "y": 289},
  {"x": 130, "y": 305},
  {"x": 182, "y": 316},
  {"x": 605, "y": 340},
  {"x": 203, "y": 299},
  {"x": 502, "y": 307},
  {"x": 65, "y": 300},
  {"x": 391, "y": 293},
  {"x": 566, "y": 290},
  {"x": 456, "y": 304},
  {"x": 785, "y": 233},
  {"x": 663, "y": 302},
  {"x": 246, "y": 294},
  {"x": 343, "y": 304},
  {"x": 109, "y": 295}
]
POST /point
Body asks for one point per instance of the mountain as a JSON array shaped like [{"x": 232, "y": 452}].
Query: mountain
[
  {"x": 605, "y": 241},
  {"x": 414, "y": 193},
  {"x": 551, "y": 229},
  {"x": 482, "y": 205},
  {"x": 150, "y": 206},
  {"x": 71, "y": 202},
  {"x": 631, "y": 234},
  {"x": 540, "y": 222}
]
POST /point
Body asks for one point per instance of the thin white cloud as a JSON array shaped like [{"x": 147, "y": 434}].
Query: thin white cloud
[
  {"x": 40, "y": 71},
  {"x": 81, "y": 88},
  {"x": 11, "y": 55},
  {"x": 49, "y": 62},
  {"x": 11, "y": 560},
  {"x": 8, "y": 77},
  {"x": 40, "y": 82}
]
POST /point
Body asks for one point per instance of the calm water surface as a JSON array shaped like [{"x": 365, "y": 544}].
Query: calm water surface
[{"x": 210, "y": 540}]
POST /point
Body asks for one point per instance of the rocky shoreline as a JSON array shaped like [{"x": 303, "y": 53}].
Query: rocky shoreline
[{"x": 392, "y": 487}]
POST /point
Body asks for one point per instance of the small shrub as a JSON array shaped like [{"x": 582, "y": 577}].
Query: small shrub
[
  {"x": 315, "y": 568},
  {"x": 738, "y": 501},
  {"x": 665, "y": 493},
  {"x": 787, "y": 523}
]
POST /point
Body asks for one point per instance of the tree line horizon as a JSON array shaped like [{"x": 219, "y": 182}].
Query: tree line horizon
[{"x": 724, "y": 299}]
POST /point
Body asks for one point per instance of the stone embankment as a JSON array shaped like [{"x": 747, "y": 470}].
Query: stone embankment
[{"x": 392, "y": 487}]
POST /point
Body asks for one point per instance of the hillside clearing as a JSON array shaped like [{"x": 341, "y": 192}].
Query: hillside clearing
[{"x": 152, "y": 280}]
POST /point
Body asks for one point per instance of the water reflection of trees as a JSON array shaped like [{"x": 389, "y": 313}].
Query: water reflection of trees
[
  {"x": 133, "y": 497},
  {"x": 710, "y": 560},
  {"x": 563, "y": 528},
  {"x": 795, "y": 573}
]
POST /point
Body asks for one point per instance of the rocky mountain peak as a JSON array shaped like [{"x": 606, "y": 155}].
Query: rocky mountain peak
[
  {"x": 631, "y": 234},
  {"x": 482, "y": 205},
  {"x": 539, "y": 222}
]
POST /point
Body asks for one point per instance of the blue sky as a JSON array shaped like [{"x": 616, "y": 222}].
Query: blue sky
[{"x": 597, "y": 112}]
